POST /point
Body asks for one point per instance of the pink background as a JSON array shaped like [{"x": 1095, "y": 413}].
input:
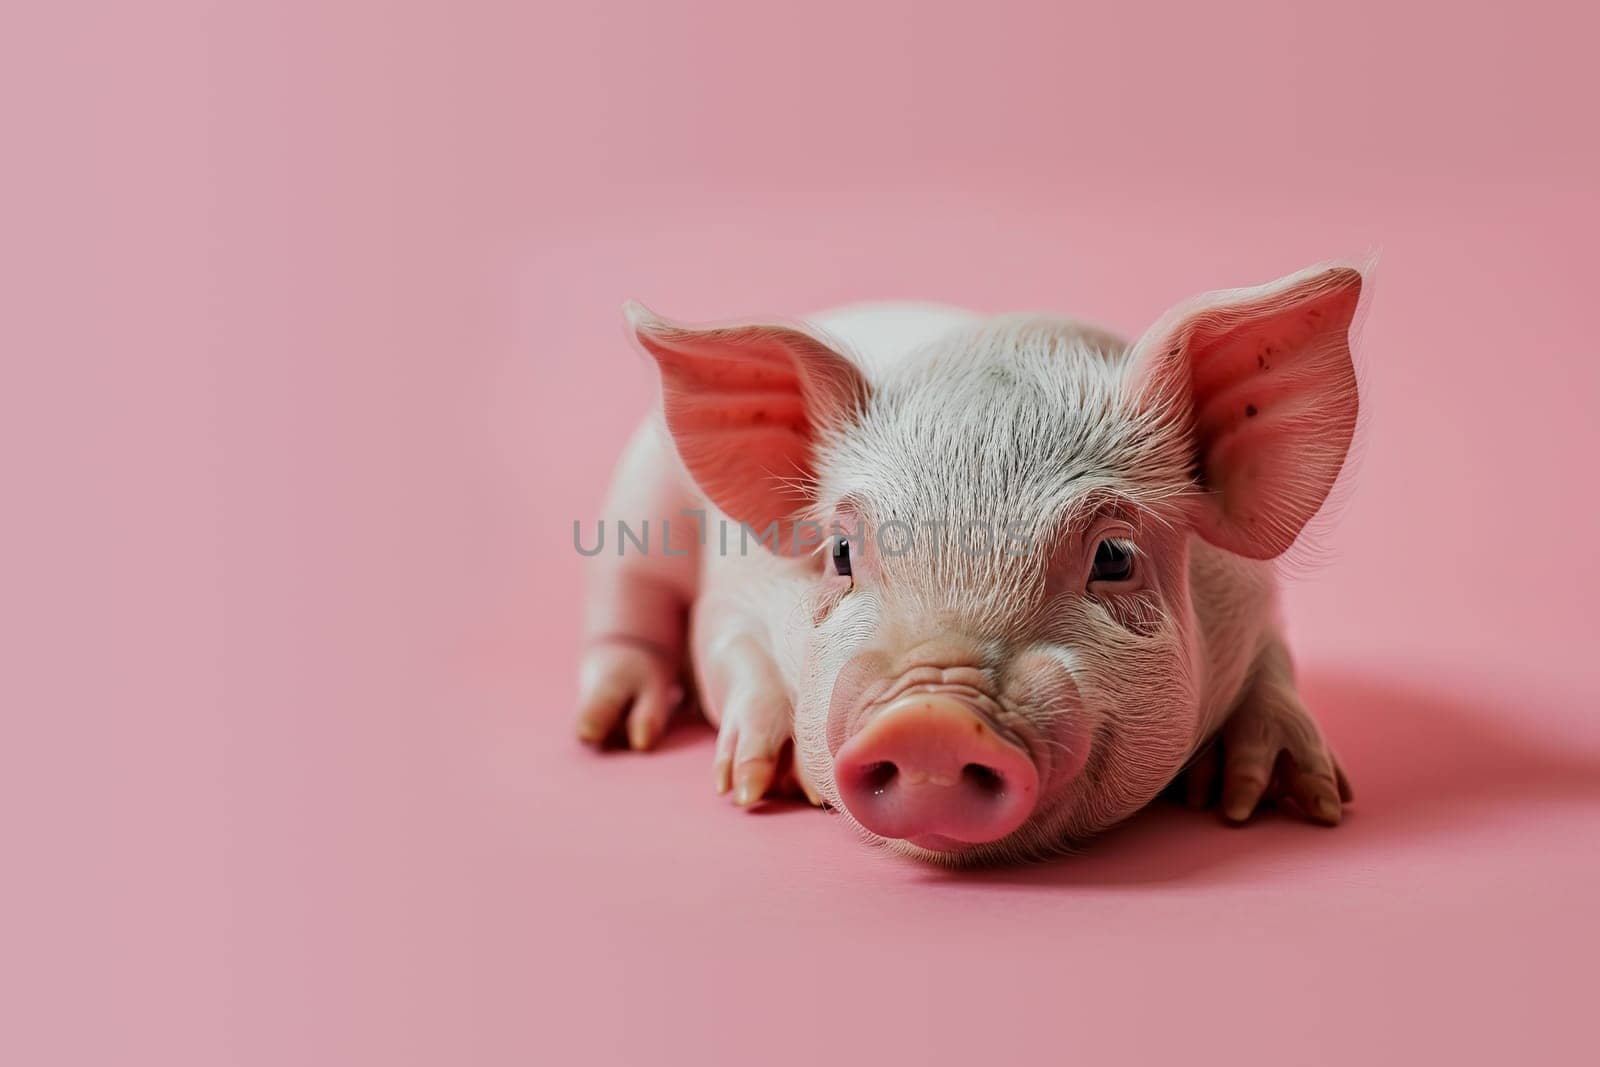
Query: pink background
[{"x": 313, "y": 356}]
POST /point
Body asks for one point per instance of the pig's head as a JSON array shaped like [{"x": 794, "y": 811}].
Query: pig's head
[{"x": 1000, "y": 652}]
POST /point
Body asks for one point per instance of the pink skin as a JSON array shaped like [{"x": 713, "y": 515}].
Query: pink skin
[{"x": 969, "y": 710}]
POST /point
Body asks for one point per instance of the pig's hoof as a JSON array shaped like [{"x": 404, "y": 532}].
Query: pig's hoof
[
  {"x": 762, "y": 777},
  {"x": 1268, "y": 756},
  {"x": 755, "y": 727},
  {"x": 624, "y": 684},
  {"x": 755, "y": 751}
]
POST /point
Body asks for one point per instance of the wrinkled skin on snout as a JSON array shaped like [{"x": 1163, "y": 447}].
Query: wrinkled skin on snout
[{"x": 1016, "y": 576}]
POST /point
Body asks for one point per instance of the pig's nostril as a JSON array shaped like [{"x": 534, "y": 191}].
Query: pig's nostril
[
  {"x": 986, "y": 780},
  {"x": 878, "y": 776}
]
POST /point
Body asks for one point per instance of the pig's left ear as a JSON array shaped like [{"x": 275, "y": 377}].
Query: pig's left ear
[
  {"x": 1262, "y": 379},
  {"x": 747, "y": 407}
]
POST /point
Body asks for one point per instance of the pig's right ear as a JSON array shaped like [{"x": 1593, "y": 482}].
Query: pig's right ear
[{"x": 746, "y": 406}]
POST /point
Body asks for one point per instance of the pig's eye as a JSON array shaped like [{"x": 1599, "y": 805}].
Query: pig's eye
[
  {"x": 841, "y": 557},
  {"x": 1112, "y": 563}
]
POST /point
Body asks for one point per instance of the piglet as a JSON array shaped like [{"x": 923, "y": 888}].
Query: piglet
[{"x": 983, "y": 585}]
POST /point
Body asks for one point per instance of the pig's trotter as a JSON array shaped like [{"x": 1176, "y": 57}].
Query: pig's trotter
[
  {"x": 636, "y": 605},
  {"x": 745, "y": 696},
  {"x": 623, "y": 680},
  {"x": 1269, "y": 750}
]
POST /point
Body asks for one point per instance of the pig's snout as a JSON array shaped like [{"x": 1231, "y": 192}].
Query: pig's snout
[{"x": 930, "y": 770}]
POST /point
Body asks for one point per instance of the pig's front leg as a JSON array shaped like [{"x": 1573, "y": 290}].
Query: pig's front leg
[
  {"x": 637, "y": 601},
  {"x": 1269, "y": 750},
  {"x": 744, "y": 695}
]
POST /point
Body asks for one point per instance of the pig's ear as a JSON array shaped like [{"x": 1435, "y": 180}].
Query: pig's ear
[
  {"x": 1263, "y": 380},
  {"x": 747, "y": 406}
]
